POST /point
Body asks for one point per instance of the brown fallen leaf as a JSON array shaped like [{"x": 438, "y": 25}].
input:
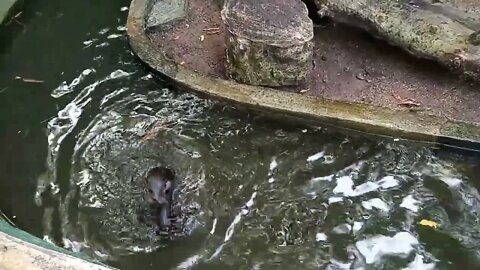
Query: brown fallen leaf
[
  {"x": 405, "y": 101},
  {"x": 152, "y": 133},
  {"x": 409, "y": 102},
  {"x": 211, "y": 29},
  {"x": 397, "y": 97},
  {"x": 213, "y": 32}
]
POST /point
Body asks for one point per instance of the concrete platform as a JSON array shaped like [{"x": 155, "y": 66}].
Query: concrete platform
[
  {"x": 358, "y": 84},
  {"x": 20, "y": 250},
  {"x": 6, "y": 7}
]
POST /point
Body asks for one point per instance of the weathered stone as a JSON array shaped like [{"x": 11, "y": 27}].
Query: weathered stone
[
  {"x": 437, "y": 30},
  {"x": 163, "y": 12},
  {"x": 268, "y": 42}
]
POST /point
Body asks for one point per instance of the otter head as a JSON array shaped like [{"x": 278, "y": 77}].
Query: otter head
[{"x": 159, "y": 182}]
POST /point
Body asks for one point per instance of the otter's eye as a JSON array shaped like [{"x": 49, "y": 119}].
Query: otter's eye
[{"x": 150, "y": 191}]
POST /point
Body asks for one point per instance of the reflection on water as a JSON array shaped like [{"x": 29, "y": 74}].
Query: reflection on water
[{"x": 255, "y": 193}]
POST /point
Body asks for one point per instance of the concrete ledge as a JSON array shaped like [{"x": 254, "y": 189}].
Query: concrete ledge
[
  {"x": 378, "y": 120},
  {"x": 20, "y": 250},
  {"x": 6, "y": 8}
]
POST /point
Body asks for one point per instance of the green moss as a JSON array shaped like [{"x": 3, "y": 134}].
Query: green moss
[
  {"x": 434, "y": 32},
  {"x": 257, "y": 64},
  {"x": 461, "y": 130}
]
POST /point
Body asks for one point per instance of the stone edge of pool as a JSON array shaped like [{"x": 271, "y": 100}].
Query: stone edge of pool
[
  {"x": 21, "y": 250},
  {"x": 361, "y": 117},
  {"x": 7, "y": 8}
]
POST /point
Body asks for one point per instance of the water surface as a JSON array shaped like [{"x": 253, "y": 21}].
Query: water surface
[{"x": 82, "y": 121}]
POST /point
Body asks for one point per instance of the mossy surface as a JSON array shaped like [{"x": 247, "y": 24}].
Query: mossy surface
[
  {"x": 260, "y": 64},
  {"x": 438, "y": 31},
  {"x": 268, "y": 43},
  {"x": 162, "y": 12}
]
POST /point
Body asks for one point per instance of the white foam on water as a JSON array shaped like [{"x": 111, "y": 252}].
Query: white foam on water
[
  {"x": 333, "y": 200},
  {"x": 451, "y": 181},
  {"x": 323, "y": 178},
  {"x": 273, "y": 164},
  {"x": 316, "y": 156},
  {"x": 374, "y": 248},
  {"x": 321, "y": 237},
  {"x": 342, "y": 229},
  {"x": 357, "y": 226},
  {"x": 377, "y": 204},
  {"x": 388, "y": 182},
  {"x": 410, "y": 203},
  {"x": 344, "y": 185}
]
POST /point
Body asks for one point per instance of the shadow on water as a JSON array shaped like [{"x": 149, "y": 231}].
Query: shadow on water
[{"x": 81, "y": 122}]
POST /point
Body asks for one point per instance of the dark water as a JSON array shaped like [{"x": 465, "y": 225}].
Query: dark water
[{"x": 256, "y": 193}]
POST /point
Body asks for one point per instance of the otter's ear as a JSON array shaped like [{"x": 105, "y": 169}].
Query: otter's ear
[{"x": 170, "y": 173}]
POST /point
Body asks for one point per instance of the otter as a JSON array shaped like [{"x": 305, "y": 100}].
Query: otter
[{"x": 159, "y": 187}]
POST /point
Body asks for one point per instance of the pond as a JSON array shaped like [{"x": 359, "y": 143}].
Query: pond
[{"x": 82, "y": 121}]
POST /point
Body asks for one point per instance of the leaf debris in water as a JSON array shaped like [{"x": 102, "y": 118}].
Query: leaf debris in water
[{"x": 429, "y": 223}]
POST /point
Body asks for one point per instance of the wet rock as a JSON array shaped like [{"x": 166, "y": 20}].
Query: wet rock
[
  {"x": 268, "y": 42},
  {"x": 164, "y": 12},
  {"x": 444, "y": 31}
]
